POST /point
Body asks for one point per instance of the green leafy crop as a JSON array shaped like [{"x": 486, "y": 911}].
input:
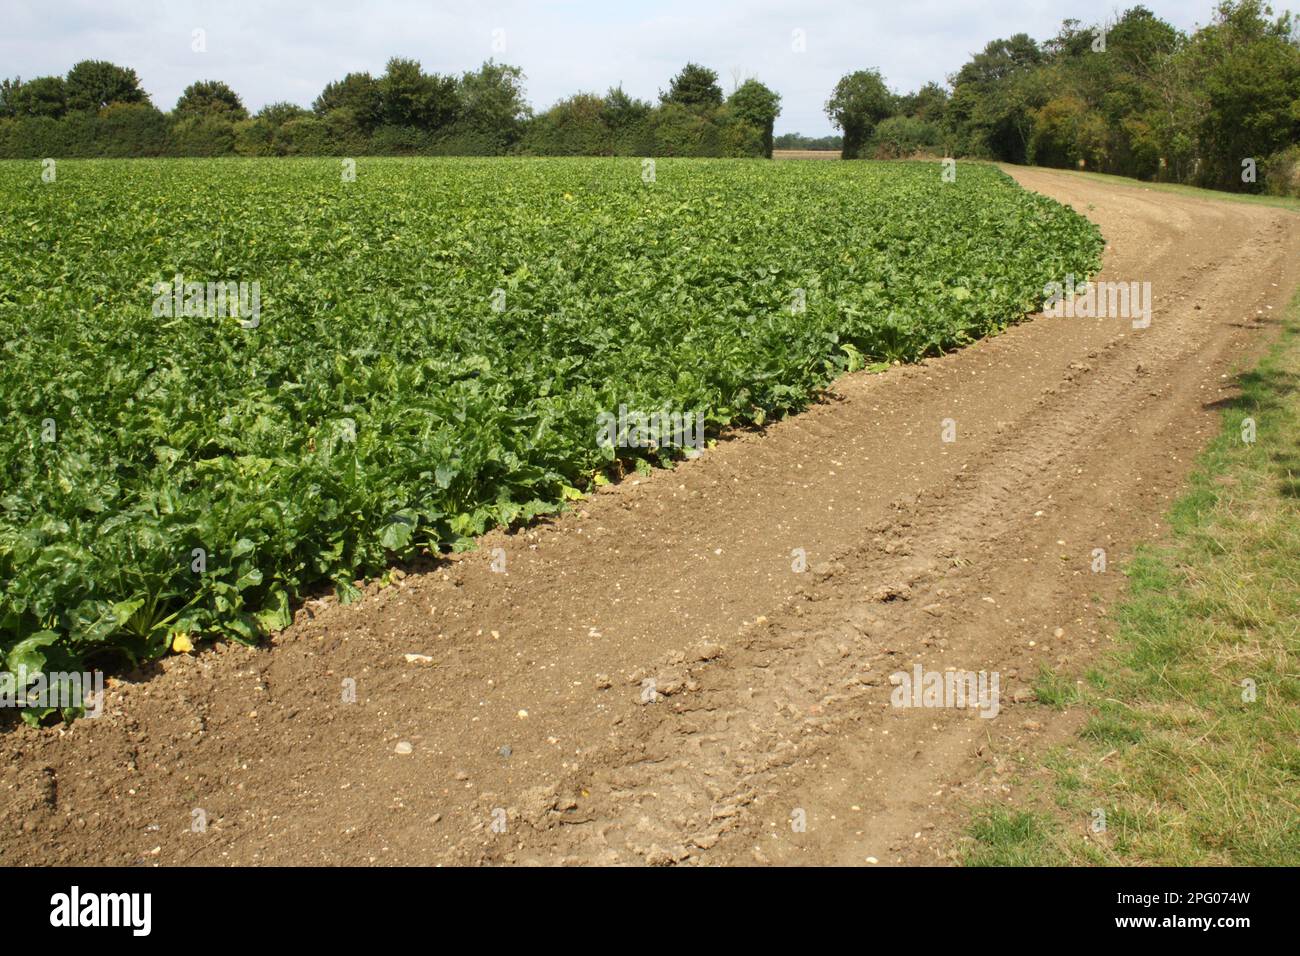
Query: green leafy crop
[{"x": 390, "y": 399}]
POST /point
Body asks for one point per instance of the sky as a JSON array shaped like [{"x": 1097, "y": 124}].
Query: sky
[{"x": 269, "y": 51}]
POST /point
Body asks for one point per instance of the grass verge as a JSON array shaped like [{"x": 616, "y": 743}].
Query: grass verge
[
  {"x": 1191, "y": 755},
  {"x": 1257, "y": 199}
]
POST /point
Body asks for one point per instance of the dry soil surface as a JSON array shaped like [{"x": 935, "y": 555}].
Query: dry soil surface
[{"x": 649, "y": 679}]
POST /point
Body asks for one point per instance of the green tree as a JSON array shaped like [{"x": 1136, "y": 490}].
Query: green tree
[
  {"x": 492, "y": 103},
  {"x": 1066, "y": 131},
  {"x": 1251, "y": 77},
  {"x": 994, "y": 98},
  {"x": 799, "y": 141},
  {"x": 1141, "y": 41},
  {"x": 277, "y": 114},
  {"x": 754, "y": 103},
  {"x": 411, "y": 97},
  {"x": 860, "y": 101},
  {"x": 43, "y": 96},
  {"x": 210, "y": 98},
  {"x": 737, "y": 137},
  {"x": 929, "y": 103},
  {"x": 695, "y": 87},
  {"x": 1126, "y": 90},
  {"x": 620, "y": 111},
  {"x": 8, "y": 88},
  {"x": 359, "y": 92},
  {"x": 93, "y": 84}
]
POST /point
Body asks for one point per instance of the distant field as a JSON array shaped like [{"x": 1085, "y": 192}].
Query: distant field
[
  {"x": 423, "y": 352},
  {"x": 805, "y": 154}
]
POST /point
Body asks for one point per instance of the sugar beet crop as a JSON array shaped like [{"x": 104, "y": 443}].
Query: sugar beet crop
[{"x": 432, "y": 346}]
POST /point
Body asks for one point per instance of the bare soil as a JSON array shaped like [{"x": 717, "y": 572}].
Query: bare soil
[{"x": 534, "y": 733}]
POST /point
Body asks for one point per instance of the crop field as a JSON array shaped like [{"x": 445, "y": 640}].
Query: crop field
[{"x": 423, "y": 352}]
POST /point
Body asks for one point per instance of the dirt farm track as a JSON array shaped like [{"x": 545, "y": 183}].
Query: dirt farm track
[{"x": 525, "y": 736}]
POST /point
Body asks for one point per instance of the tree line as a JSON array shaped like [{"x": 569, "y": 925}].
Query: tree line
[
  {"x": 100, "y": 109},
  {"x": 1217, "y": 107},
  {"x": 799, "y": 141}
]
